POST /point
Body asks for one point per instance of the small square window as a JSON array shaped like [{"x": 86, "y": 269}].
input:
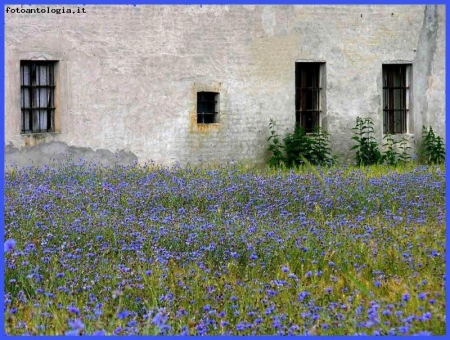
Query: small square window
[
  {"x": 207, "y": 107},
  {"x": 395, "y": 98},
  {"x": 307, "y": 95},
  {"x": 37, "y": 80}
]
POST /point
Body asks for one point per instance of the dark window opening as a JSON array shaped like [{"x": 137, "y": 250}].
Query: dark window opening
[
  {"x": 395, "y": 100},
  {"x": 307, "y": 95},
  {"x": 207, "y": 107},
  {"x": 37, "y": 82}
]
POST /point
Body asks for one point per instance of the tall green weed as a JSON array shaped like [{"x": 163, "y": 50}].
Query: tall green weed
[
  {"x": 299, "y": 148},
  {"x": 431, "y": 148}
]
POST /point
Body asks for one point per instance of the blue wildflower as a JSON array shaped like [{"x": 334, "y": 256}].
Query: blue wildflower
[
  {"x": 240, "y": 327},
  {"x": 303, "y": 295},
  {"x": 422, "y": 333},
  {"x": 73, "y": 310},
  {"x": 160, "y": 319},
  {"x": 422, "y": 296},
  {"x": 9, "y": 245},
  {"x": 76, "y": 327},
  {"x": 403, "y": 329},
  {"x": 123, "y": 314}
]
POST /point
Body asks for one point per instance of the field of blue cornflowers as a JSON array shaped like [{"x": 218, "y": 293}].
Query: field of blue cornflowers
[{"x": 230, "y": 250}]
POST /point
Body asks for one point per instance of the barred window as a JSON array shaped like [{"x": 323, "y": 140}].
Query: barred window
[
  {"x": 38, "y": 96},
  {"x": 395, "y": 98},
  {"x": 207, "y": 107},
  {"x": 307, "y": 95}
]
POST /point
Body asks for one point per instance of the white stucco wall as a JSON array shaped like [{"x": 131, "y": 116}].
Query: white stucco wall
[{"x": 127, "y": 76}]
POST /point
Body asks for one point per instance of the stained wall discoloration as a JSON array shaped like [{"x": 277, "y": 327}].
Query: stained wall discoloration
[
  {"x": 215, "y": 87},
  {"x": 128, "y": 75},
  {"x": 57, "y": 153},
  {"x": 428, "y": 69}
]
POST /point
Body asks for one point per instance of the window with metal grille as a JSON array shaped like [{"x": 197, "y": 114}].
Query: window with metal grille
[
  {"x": 307, "y": 95},
  {"x": 38, "y": 96},
  {"x": 207, "y": 107},
  {"x": 395, "y": 98}
]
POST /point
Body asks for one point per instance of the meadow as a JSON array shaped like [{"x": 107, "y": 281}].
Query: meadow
[{"x": 231, "y": 250}]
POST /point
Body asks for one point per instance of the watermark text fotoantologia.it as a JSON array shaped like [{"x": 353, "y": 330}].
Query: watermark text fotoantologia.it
[{"x": 45, "y": 10}]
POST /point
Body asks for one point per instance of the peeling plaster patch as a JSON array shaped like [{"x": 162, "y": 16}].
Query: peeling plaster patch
[
  {"x": 57, "y": 153},
  {"x": 269, "y": 22}
]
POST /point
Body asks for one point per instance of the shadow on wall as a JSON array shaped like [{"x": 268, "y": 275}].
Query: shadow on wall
[{"x": 57, "y": 153}]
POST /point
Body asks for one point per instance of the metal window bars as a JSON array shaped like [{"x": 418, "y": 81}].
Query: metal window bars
[
  {"x": 38, "y": 96},
  {"x": 395, "y": 100},
  {"x": 207, "y": 107},
  {"x": 307, "y": 95}
]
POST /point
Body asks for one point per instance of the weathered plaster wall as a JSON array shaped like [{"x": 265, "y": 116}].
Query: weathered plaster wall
[
  {"x": 128, "y": 75},
  {"x": 57, "y": 153},
  {"x": 429, "y": 73}
]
